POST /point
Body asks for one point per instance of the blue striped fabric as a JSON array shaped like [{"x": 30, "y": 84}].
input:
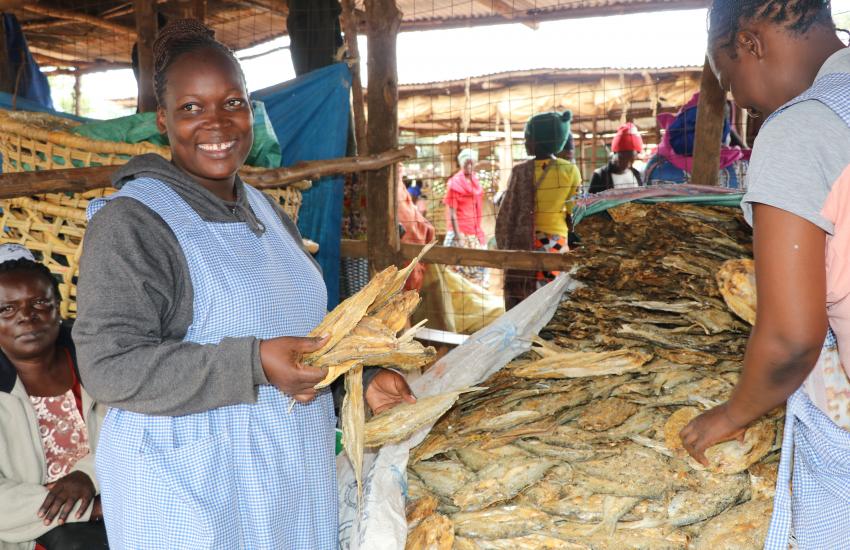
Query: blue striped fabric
[{"x": 242, "y": 476}]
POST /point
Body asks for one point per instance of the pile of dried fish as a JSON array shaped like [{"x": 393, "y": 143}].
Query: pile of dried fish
[{"x": 575, "y": 445}]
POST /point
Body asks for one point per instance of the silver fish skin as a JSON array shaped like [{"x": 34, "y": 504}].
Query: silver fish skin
[
  {"x": 501, "y": 522},
  {"x": 501, "y": 481},
  {"x": 443, "y": 477}
]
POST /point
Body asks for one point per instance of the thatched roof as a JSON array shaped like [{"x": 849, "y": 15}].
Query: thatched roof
[
  {"x": 605, "y": 95},
  {"x": 101, "y": 32}
]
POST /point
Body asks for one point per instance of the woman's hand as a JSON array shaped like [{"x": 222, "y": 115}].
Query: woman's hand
[
  {"x": 96, "y": 510},
  {"x": 708, "y": 429},
  {"x": 64, "y": 494},
  {"x": 281, "y": 359},
  {"x": 386, "y": 390}
]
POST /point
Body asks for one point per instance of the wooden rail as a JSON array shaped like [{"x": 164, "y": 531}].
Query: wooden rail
[
  {"x": 78, "y": 180},
  {"x": 501, "y": 259}
]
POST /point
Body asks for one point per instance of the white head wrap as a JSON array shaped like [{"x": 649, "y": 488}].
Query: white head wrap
[
  {"x": 465, "y": 155},
  {"x": 10, "y": 252}
]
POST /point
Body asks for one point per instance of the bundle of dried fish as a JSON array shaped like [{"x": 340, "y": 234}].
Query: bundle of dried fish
[{"x": 435, "y": 532}]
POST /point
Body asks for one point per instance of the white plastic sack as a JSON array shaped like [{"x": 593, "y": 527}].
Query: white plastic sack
[{"x": 381, "y": 524}]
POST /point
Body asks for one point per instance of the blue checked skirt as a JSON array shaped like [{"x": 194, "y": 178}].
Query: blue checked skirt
[{"x": 252, "y": 476}]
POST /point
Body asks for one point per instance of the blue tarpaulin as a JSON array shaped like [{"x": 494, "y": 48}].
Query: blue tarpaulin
[
  {"x": 31, "y": 84},
  {"x": 310, "y": 116}
]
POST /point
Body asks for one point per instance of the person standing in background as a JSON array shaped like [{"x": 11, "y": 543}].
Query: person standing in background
[
  {"x": 464, "y": 202},
  {"x": 619, "y": 173},
  {"x": 538, "y": 201}
]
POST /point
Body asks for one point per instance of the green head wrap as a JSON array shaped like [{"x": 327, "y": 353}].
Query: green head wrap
[{"x": 547, "y": 132}]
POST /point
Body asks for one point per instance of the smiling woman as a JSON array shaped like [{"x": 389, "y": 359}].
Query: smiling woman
[{"x": 194, "y": 302}]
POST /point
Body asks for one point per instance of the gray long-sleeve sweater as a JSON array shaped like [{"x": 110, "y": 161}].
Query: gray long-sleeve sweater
[{"x": 134, "y": 301}]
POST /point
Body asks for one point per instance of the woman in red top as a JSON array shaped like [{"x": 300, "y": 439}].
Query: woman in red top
[
  {"x": 463, "y": 212},
  {"x": 48, "y": 492}
]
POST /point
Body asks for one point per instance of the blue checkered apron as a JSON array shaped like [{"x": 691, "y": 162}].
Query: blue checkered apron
[
  {"x": 812, "y": 503},
  {"x": 253, "y": 476}
]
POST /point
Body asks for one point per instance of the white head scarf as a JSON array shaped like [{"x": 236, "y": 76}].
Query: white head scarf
[
  {"x": 465, "y": 155},
  {"x": 10, "y": 252}
]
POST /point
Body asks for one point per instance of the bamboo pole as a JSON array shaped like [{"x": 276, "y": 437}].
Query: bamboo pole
[
  {"x": 383, "y": 20},
  {"x": 78, "y": 180},
  {"x": 709, "y": 130},
  {"x": 146, "y": 28},
  {"x": 349, "y": 27}
]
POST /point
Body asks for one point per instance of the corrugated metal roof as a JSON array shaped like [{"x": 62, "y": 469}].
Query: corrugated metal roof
[{"x": 68, "y": 30}]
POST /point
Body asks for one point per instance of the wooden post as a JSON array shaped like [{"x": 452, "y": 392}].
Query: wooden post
[
  {"x": 349, "y": 27},
  {"x": 78, "y": 78},
  {"x": 709, "y": 130},
  {"x": 146, "y": 31},
  {"x": 199, "y": 10},
  {"x": 7, "y": 75},
  {"x": 594, "y": 145},
  {"x": 383, "y": 20}
]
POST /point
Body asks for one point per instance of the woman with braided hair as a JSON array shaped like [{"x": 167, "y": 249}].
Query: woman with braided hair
[
  {"x": 783, "y": 60},
  {"x": 195, "y": 299}
]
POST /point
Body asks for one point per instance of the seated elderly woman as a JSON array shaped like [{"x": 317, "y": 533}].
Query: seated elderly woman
[{"x": 48, "y": 424}]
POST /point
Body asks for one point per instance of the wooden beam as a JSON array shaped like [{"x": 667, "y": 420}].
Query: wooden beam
[
  {"x": 500, "y": 259},
  {"x": 146, "y": 27},
  {"x": 42, "y": 8},
  {"x": 709, "y": 129},
  {"x": 383, "y": 20},
  {"x": 349, "y": 27},
  {"x": 78, "y": 180},
  {"x": 507, "y": 11}
]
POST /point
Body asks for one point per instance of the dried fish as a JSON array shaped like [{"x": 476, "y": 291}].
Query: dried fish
[
  {"x": 353, "y": 424},
  {"x": 435, "y": 532},
  {"x": 606, "y": 414},
  {"x": 419, "y": 509},
  {"x": 476, "y": 458},
  {"x": 398, "y": 423},
  {"x": 503, "y": 422},
  {"x": 741, "y": 528},
  {"x": 444, "y": 478},
  {"x": 714, "y": 495},
  {"x": 730, "y": 457},
  {"x": 534, "y": 541},
  {"x": 763, "y": 479},
  {"x": 737, "y": 282},
  {"x": 500, "y": 522},
  {"x": 565, "y": 454},
  {"x": 581, "y": 364},
  {"x": 500, "y": 482}
]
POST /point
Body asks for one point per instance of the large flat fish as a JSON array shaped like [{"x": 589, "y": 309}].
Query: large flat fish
[
  {"x": 443, "y": 477},
  {"x": 605, "y": 414},
  {"x": 582, "y": 364},
  {"x": 501, "y": 482},
  {"x": 743, "y": 527},
  {"x": 398, "y": 423},
  {"x": 501, "y": 522},
  {"x": 716, "y": 494}
]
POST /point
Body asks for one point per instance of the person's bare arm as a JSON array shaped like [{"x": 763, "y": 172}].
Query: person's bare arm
[{"x": 791, "y": 325}]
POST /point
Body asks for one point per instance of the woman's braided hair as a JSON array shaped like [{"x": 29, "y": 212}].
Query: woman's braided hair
[
  {"x": 22, "y": 265},
  {"x": 725, "y": 16},
  {"x": 180, "y": 37}
]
